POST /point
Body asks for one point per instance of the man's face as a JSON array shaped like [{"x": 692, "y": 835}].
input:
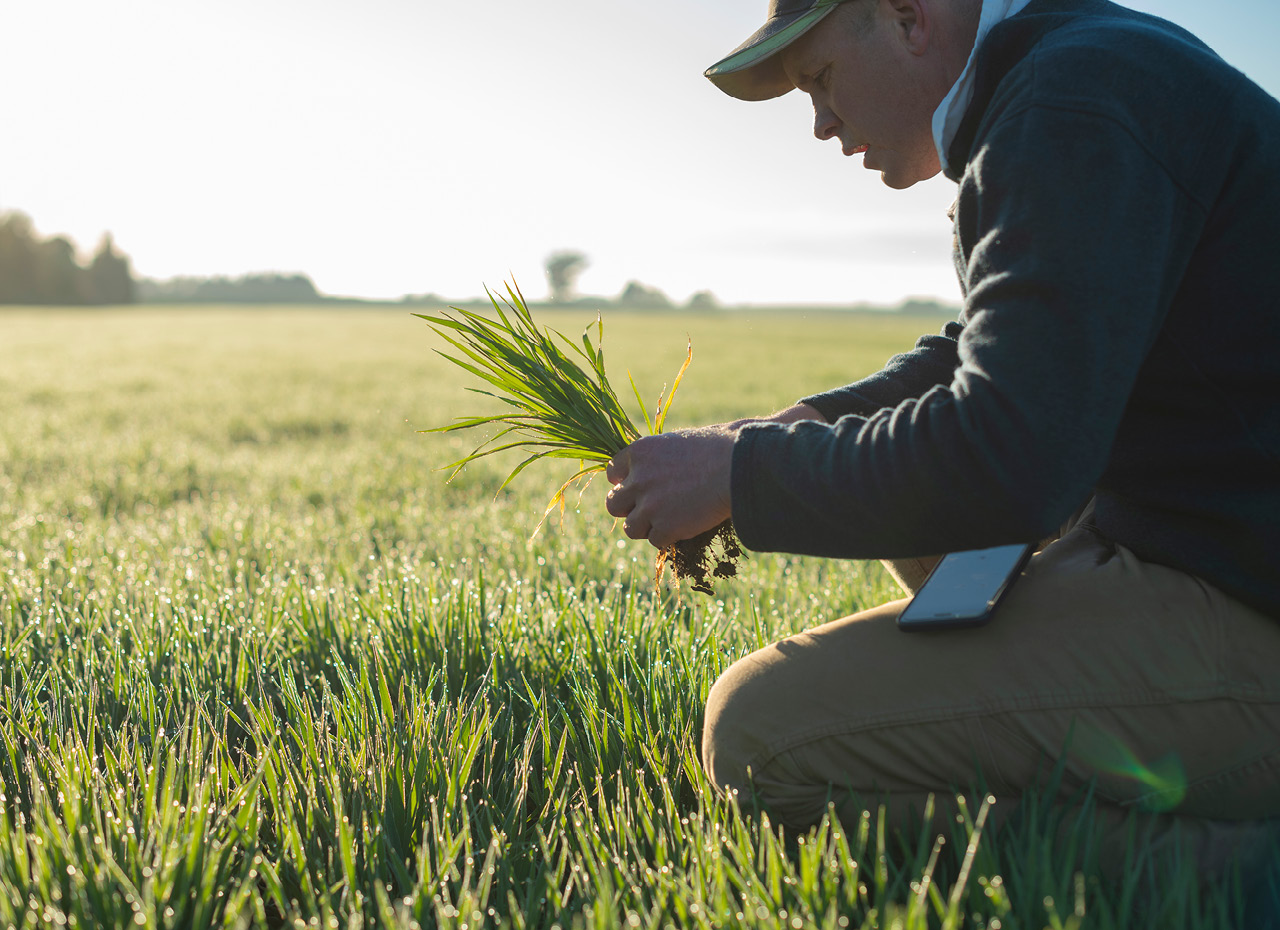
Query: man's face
[{"x": 872, "y": 89}]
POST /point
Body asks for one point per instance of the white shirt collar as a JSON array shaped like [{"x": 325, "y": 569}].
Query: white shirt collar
[{"x": 946, "y": 119}]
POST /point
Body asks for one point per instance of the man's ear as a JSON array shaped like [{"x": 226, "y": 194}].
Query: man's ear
[{"x": 913, "y": 23}]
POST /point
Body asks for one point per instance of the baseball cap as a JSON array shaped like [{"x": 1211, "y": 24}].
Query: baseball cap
[{"x": 752, "y": 70}]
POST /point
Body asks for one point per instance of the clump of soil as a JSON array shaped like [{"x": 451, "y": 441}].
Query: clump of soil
[{"x": 713, "y": 554}]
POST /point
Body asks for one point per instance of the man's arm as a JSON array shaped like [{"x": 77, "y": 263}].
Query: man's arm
[
  {"x": 932, "y": 362},
  {"x": 1077, "y": 242}
]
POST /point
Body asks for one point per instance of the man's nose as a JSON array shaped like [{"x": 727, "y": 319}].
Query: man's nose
[{"x": 825, "y": 124}]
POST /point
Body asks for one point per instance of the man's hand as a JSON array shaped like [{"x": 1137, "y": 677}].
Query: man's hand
[
  {"x": 672, "y": 486},
  {"x": 675, "y": 485}
]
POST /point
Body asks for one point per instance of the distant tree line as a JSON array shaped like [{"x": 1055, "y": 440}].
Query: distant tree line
[
  {"x": 35, "y": 270},
  {"x": 259, "y": 288},
  {"x": 47, "y": 271}
]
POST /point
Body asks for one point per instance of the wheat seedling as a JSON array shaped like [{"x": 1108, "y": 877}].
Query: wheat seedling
[{"x": 560, "y": 408}]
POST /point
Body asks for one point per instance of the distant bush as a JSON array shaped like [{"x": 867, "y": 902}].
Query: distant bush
[
  {"x": 703, "y": 300},
  {"x": 259, "y": 288},
  {"x": 642, "y": 297},
  {"x": 924, "y": 305},
  {"x": 425, "y": 300}
]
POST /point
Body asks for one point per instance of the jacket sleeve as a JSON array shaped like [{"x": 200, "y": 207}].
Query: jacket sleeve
[
  {"x": 932, "y": 362},
  {"x": 1073, "y": 236}
]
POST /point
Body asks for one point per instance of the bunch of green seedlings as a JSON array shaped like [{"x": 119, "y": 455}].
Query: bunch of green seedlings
[{"x": 561, "y": 409}]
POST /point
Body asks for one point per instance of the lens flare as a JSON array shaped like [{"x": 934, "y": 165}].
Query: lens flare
[{"x": 1164, "y": 779}]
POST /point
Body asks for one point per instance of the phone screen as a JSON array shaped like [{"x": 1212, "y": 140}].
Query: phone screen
[{"x": 964, "y": 588}]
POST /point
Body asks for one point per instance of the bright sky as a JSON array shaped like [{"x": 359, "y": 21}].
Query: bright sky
[{"x": 401, "y": 146}]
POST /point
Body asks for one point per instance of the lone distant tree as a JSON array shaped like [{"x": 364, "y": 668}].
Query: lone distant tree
[
  {"x": 110, "y": 278},
  {"x": 563, "y": 269}
]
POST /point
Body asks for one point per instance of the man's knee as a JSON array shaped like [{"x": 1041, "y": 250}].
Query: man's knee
[
  {"x": 731, "y": 737},
  {"x": 787, "y": 692}
]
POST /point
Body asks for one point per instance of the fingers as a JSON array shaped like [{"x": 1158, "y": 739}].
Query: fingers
[
  {"x": 637, "y": 528},
  {"x": 661, "y": 540},
  {"x": 619, "y": 466},
  {"x": 619, "y": 502}
]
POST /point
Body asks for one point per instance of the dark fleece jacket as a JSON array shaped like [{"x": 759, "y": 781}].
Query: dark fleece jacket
[{"x": 1118, "y": 247}]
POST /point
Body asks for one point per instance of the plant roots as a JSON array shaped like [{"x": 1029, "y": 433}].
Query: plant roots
[{"x": 713, "y": 554}]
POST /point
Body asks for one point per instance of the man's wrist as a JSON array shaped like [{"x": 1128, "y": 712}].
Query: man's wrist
[
  {"x": 798, "y": 412},
  {"x": 793, "y": 414}
]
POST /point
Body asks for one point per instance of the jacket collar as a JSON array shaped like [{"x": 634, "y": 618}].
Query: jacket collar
[
  {"x": 1007, "y": 43},
  {"x": 947, "y": 118}
]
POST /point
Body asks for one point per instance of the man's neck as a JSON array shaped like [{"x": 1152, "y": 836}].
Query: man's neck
[{"x": 958, "y": 32}]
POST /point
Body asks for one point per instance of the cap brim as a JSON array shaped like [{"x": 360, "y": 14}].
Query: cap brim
[{"x": 752, "y": 71}]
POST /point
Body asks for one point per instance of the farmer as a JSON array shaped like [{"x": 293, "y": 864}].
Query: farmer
[{"x": 1111, "y": 388}]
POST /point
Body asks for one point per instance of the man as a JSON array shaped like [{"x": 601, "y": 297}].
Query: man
[{"x": 1113, "y": 380}]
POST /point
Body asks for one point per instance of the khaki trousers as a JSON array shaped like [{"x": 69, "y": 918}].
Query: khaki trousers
[{"x": 1147, "y": 684}]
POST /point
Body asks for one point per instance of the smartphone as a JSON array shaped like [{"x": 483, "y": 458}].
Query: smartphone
[{"x": 964, "y": 588}]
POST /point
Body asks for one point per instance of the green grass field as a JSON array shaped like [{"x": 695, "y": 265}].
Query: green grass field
[{"x": 261, "y": 665}]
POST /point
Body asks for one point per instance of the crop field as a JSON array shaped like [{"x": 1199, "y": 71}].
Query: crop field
[{"x": 260, "y": 665}]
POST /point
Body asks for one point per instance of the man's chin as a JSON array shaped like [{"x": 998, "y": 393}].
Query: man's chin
[
  {"x": 897, "y": 183},
  {"x": 896, "y": 175},
  {"x": 890, "y": 174},
  {"x": 901, "y": 180}
]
